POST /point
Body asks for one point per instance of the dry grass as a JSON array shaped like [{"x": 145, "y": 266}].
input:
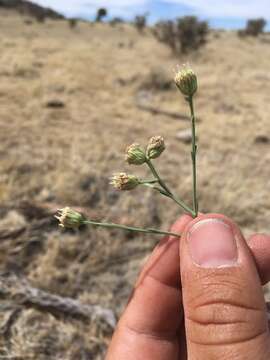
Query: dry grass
[{"x": 68, "y": 107}]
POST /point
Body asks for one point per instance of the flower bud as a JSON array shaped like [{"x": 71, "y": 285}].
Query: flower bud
[
  {"x": 186, "y": 81},
  {"x": 155, "y": 147},
  {"x": 123, "y": 181},
  {"x": 135, "y": 155},
  {"x": 69, "y": 218}
]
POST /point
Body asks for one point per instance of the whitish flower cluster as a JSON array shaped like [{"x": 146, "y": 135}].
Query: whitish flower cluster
[
  {"x": 155, "y": 147},
  {"x": 123, "y": 181},
  {"x": 136, "y": 155},
  {"x": 186, "y": 81},
  {"x": 69, "y": 218}
]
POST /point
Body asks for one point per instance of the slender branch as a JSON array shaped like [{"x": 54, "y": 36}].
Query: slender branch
[
  {"x": 69, "y": 218},
  {"x": 171, "y": 196},
  {"x": 152, "y": 181},
  {"x": 168, "y": 192},
  {"x": 160, "y": 190},
  {"x": 155, "y": 173},
  {"x": 183, "y": 205},
  {"x": 193, "y": 155},
  {"x": 130, "y": 228}
]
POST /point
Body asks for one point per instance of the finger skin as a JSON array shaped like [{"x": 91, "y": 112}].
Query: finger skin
[
  {"x": 260, "y": 247},
  {"x": 225, "y": 315},
  {"x": 150, "y": 324}
]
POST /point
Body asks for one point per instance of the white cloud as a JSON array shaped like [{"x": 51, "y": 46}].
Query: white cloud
[
  {"x": 208, "y": 8},
  {"x": 228, "y": 8},
  {"x": 116, "y": 7}
]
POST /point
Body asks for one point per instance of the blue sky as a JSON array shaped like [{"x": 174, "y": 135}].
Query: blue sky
[{"x": 220, "y": 13}]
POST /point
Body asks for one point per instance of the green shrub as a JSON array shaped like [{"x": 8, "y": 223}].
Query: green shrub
[
  {"x": 40, "y": 17},
  {"x": 116, "y": 20},
  {"x": 140, "y": 22},
  {"x": 72, "y": 23},
  {"x": 191, "y": 33},
  {"x": 165, "y": 32},
  {"x": 254, "y": 27},
  {"x": 101, "y": 13},
  {"x": 182, "y": 35}
]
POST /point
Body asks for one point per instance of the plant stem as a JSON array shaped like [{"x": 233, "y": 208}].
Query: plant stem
[
  {"x": 167, "y": 192},
  {"x": 160, "y": 190},
  {"x": 156, "y": 175},
  {"x": 152, "y": 181},
  {"x": 184, "y": 206},
  {"x": 130, "y": 228},
  {"x": 193, "y": 155}
]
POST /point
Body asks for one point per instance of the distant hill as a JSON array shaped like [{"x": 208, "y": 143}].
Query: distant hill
[{"x": 29, "y": 8}]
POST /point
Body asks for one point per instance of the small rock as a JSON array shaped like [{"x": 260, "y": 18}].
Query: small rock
[
  {"x": 55, "y": 103},
  {"x": 121, "y": 81},
  {"x": 226, "y": 108},
  {"x": 185, "y": 136},
  {"x": 262, "y": 139},
  {"x": 12, "y": 222},
  {"x": 45, "y": 195}
]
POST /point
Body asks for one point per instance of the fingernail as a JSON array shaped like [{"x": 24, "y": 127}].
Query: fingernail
[{"x": 212, "y": 244}]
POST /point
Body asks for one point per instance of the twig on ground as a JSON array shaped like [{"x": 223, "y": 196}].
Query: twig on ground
[{"x": 20, "y": 291}]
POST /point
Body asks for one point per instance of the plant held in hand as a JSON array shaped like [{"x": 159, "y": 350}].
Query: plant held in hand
[{"x": 186, "y": 81}]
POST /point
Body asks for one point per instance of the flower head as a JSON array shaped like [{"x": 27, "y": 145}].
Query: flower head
[
  {"x": 69, "y": 218},
  {"x": 123, "y": 181},
  {"x": 155, "y": 147},
  {"x": 186, "y": 81},
  {"x": 135, "y": 155}
]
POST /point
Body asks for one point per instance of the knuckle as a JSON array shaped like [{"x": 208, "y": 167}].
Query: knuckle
[
  {"x": 220, "y": 287},
  {"x": 225, "y": 323},
  {"x": 222, "y": 314}
]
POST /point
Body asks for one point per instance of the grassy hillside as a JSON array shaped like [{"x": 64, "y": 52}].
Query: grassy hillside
[
  {"x": 70, "y": 102},
  {"x": 29, "y": 8}
]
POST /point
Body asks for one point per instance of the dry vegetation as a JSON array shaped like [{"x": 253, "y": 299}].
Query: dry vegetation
[{"x": 70, "y": 101}]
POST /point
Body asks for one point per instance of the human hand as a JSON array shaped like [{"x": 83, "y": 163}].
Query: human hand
[{"x": 203, "y": 302}]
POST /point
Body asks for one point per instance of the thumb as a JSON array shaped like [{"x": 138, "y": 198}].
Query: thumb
[{"x": 225, "y": 314}]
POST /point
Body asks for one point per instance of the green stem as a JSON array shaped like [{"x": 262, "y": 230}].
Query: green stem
[
  {"x": 130, "y": 228},
  {"x": 143, "y": 182},
  {"x": 184, "y": 206},
  {"x": 193, "y": 155},
  {"x": 160, "y": 190},
  {"x": 155, "y": 173},
  {"x": 168, "y": 192}
]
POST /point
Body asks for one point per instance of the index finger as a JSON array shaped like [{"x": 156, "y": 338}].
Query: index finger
[{"x": 149, "y": 326}]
